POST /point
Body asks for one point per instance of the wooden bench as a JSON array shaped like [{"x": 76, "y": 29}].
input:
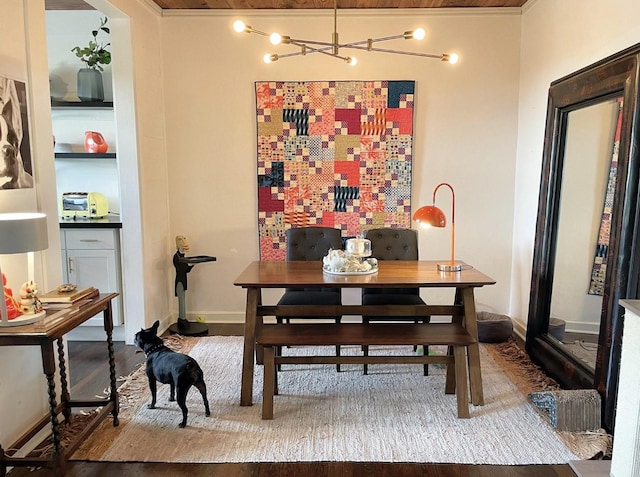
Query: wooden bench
[{"x": 454, "y": 335}]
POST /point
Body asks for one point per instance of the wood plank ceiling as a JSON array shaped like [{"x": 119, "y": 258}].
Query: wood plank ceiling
[{"x": 302, "y": 4}]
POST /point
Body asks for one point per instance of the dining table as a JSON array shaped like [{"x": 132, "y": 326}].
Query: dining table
[{"x": 389, "y": 274}]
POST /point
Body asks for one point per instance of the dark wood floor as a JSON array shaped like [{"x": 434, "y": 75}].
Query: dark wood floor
[{"x": 89, "y": 376}]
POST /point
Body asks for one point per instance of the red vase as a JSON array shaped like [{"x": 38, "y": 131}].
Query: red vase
[{"x": 94, "y": 142}]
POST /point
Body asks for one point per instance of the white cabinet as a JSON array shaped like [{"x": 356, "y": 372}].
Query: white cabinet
[{"x": 91, "y": 257}]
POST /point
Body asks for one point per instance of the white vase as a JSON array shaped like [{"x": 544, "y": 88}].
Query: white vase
[{"x": 90, "y": 86}]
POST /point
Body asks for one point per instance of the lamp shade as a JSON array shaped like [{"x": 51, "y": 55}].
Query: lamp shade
[
  {"x": 23, "y": 232},
  {"x": 430, "y": 216}
]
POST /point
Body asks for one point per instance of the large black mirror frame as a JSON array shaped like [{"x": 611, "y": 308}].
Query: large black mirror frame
[{"x": 613, "y": 77}]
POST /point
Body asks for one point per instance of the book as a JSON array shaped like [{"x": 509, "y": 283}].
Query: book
[
  {"x": 69, "y": 304},
  {"x": 68, "y": 297}
]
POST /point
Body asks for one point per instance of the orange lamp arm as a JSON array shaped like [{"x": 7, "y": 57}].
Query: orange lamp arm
[{"x": 453, "y": 216}]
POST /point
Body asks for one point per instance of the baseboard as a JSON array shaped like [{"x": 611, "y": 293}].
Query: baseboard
[{"x": 95, "y": 333}]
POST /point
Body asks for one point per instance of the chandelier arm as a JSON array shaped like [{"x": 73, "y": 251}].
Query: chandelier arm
[
  {"x": 344, "y": 58},
  {"x": 397, "y": 52},
  {"x": 385, "y": 38},
  {"x": 294, "y": 41},
  {"x": 313, "y": 50},
  {"x": 253, "y": 30}
]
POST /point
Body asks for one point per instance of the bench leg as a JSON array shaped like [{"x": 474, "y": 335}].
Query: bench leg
[
  {"x": 462, "y": 393},
  {"x": 268, "y": 383},
  {"x": 365, "y": 352},
  {"x": 275, "y": 380},
  {"x": 425, "y": 352},
  {"x": 450, "y": 386}
]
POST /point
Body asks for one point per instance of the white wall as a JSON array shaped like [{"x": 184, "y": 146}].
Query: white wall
[
  {"x": 22, "y": 385},
  {"x": 557, "y": 39},
  {"x": 465, "y": 132}
]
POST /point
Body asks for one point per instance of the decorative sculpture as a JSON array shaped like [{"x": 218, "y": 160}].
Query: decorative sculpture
[
  {"x": 29, "y": 301},
  {"x": 94, "y": 142},
  {"x": 13, "y": 307},
  {"x": 183, "y": 266}
]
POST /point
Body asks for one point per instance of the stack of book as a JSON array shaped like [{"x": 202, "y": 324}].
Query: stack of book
[{"x": 58, "y": 300}]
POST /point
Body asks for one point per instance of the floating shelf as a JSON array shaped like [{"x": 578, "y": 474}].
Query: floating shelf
[
  {"x": 82, "y": 104},
  {"x": 84, "y": 155}
]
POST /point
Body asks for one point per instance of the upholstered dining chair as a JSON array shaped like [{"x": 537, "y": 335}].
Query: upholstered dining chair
[
  {"x": 393, "y": 244},
  {"x": 312, "y": 243}
]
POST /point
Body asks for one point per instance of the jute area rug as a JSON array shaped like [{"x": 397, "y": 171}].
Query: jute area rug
[{"x": 394, "y": 414}]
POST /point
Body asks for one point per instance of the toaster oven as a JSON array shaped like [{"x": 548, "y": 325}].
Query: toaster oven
[{"x": 83, "y": 204}]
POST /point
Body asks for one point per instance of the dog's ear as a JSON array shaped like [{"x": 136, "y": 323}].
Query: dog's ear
[
  {"x": 155, "y": 326},
  {"x": 7, "y": 109}
]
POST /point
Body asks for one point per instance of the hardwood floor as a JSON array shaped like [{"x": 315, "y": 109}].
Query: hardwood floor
[
  {"x": 301, "y": 469},
  {"x": 89, "y": 376}
]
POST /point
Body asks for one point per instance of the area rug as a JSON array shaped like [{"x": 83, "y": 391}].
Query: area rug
[{"x": 394, "y": 414}]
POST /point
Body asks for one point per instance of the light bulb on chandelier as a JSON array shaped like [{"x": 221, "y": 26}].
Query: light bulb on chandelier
[{"x": 333, "y": 48}]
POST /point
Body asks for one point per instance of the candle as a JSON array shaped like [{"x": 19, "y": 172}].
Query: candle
[{"x": 359, "y": 246}]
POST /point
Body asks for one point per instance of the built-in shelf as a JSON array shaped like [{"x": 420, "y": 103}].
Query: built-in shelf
[
  {"x": 82, "y": 104},
  {"x": 84, "y": 155}
]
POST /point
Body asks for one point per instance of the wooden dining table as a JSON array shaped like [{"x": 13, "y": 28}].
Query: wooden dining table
[{"x": 390, "y": 274}]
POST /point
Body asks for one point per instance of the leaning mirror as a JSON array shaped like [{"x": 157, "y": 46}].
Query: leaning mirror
[{"x": 586, "y": 245}]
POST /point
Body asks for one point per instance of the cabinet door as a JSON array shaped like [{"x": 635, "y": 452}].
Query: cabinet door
[{"x": 97, "y": 268}]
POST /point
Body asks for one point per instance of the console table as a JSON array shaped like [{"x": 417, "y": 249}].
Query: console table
[{"x": 44, "y": 333}]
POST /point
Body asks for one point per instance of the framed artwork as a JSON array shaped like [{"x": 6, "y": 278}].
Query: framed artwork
[
  {"x": 16, "y": 168},
  {"x": 333, "y": 154}
]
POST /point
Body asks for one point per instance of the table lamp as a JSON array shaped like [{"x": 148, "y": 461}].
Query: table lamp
[
  {"x": 432, "y": 216},
  {"x": 23, "y": 232}
]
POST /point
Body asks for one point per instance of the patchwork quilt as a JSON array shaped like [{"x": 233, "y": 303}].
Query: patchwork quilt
[{"x": 334, "y": 154}]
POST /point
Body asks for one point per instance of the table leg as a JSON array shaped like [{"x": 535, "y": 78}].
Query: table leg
[
  {"x": 64, "y": 386},
  {"x": 246, "y": 390},
  {"x": 49, "y": 368},
  {"x": 471, "y": 324},
  {"x": 3, "y": 465},
  {"x": 113, "y": 392},
  {"x": 259, "y": 323}
]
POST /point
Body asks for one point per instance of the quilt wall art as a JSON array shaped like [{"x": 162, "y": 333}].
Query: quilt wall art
[
  {"x": 334, "y": 154},
  {"x": 599, "y": 269}
]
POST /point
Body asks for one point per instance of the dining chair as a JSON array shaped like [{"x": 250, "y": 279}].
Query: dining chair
[
  {"x": 310, "y": 244},
  {"x": 393, "y": 244}
]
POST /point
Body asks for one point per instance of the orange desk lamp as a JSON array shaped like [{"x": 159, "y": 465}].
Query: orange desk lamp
[{"x": 432, "y": 216}]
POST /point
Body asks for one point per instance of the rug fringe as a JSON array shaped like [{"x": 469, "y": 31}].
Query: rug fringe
[{"x": 530, "y": 378}]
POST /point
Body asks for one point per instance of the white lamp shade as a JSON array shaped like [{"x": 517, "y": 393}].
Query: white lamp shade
[{"x": 23, "y": 232}]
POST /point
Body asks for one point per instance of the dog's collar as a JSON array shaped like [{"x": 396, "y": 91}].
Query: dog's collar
[{"x": 154, "y": 348}]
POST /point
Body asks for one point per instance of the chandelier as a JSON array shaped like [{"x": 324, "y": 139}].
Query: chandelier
[{"x": 333, "y": 48}]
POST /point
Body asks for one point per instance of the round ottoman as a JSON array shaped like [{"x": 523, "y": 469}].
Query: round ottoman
[
  {"x": 493, "y": 327},
  {"x": 556, "y": 328}
]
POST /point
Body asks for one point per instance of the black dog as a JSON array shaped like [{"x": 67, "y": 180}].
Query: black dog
[{"x": 176, "y": 369}]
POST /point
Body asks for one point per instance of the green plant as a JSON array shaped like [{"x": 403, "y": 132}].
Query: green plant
[{"x": 95, "y": 54}]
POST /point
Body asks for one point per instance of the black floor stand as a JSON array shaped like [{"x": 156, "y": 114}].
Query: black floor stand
[{"x": 189, "y": 328}]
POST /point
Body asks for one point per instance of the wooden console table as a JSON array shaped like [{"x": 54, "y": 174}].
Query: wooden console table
[{"x": 44, "y": 333}]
